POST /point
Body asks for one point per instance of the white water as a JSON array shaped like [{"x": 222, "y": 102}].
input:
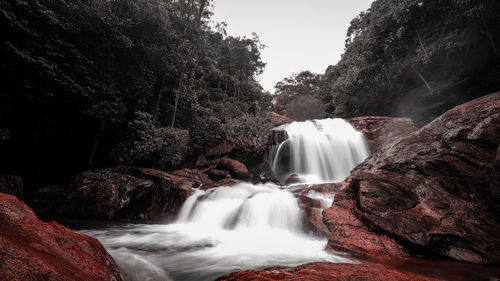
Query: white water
[
  {"x": 239, "y": 227},
  {"x": 319, "y": 151},
  {"x": 217, "y": 232}
]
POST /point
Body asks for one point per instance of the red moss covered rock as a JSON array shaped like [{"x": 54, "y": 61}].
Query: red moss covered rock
[
  {"x": 379, "y": 129},
  {"x": 237, "y": 169},
  {"x": 34, "y": 250},
  {"x": 323, "y": 271},
  {"x": 433, "y": 190}
]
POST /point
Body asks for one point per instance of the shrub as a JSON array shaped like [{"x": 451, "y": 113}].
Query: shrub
[{"x": 150, "y": 146}]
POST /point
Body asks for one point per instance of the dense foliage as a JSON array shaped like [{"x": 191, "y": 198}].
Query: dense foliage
[
  {"x": 414, "y": 58},
  {"x": 300, "y": 97},
  {"x": 151, "y": 81}
]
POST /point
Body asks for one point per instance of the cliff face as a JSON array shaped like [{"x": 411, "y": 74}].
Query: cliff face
[{"x": 434, "y": 190}]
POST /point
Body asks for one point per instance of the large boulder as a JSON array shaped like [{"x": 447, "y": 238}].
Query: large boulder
[
  {"x": 131, "y": 193},
  {"x": 312, "y": 201},
  {"x": 13, "y": 185},
  {"x": 379, "y": 129},
  {"x": 34, "y": 250},
  {"x": 434, "y": 190},
  {"x": 237, "y": 169},
  {"x": 263, "y": 173},
  {"x": 321, "y": 271}
]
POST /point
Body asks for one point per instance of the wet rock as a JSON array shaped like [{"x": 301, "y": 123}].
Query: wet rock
[
  {"x": 278, "y": 119},
  {"x": 237, "y": 169},
  {"x": 432, "y": 191},
  {"x": 34, "y": 250},
  {"x": 12, "y": 185},
  {"x": 212, "y": 154},
  {"x": 312, "y": 201},
  {"x": 224, "y": 182},
  {"x": 263, "y": 173},
  {"x": 293, "y": 178},
  {"x": 327, "y": 271},
  {"x": 218, "y": 175},
  {"x": 194, "y": 175},
  {"x": 131, "y": 193},
  {"x": 379, "y": 129}
]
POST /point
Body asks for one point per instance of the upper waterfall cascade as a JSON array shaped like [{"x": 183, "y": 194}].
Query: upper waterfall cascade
[{"x": 318, "y": 151}]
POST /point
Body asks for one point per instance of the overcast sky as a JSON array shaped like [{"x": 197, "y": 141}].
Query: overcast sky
[{"x": 299, "y": 34}]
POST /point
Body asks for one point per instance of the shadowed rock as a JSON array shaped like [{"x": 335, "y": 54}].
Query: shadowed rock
[
  {"x": 34, "y": 250},
  {"x": 434, "y": 190}
]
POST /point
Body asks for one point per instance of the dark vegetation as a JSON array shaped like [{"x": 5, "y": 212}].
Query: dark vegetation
[
  {"x": 91, "y": 84},
  {"x": 413, "y": 58},
  {"x": 87, "y": 84}
]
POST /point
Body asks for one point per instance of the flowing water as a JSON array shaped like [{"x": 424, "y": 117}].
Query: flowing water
[
  {"x": 318, "y": 151},
  {"x": 245, "y": 226}
]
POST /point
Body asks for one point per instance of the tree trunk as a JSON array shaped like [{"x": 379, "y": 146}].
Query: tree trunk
[
  {"x": 177, "y": 97},
  {"x": 431, "y": 91},
  {"x": 157, "y": 92}
]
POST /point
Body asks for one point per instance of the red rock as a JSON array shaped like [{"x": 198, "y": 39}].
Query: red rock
[
  {"x": 322, "y": 271},
  {"x": 293, "y": 178},
  {"x": 379, "y": 129},
  {"x": 433, "y": 190},
  {"x": 131, "y": 193},
  {"x": 237, "y": 169},
  {"x": 263, "y": 173},
  {"x": 224, "y": 182},
  {"x": 194, "y": 175},
  {"x": 206, "y": 158},
  {"x": 34, "y": 250},
  {"x": 278, "y": 119},
  {"x": 218, "y": 175},
  {"x": 312, "y": 207}
]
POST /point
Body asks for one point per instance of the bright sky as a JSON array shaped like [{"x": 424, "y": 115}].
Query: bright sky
[{"x": 299, "y": 34}]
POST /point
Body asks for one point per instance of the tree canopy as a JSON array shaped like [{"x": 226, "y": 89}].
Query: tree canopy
[
  {"x": 82, "y": 79},
  {"x": 414, "y": 58}
]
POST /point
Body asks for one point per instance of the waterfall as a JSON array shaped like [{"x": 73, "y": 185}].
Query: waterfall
[
  {"x": 244, "y": 226},
  {"x": 244, "y": 205},
  {"x": 217, "y": 231},
  {"x": 318, "y": 151}
]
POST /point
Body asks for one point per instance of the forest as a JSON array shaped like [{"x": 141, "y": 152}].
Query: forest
[
  {"x": 89, "y": 84},
  {"x": 137, "y": 143}
]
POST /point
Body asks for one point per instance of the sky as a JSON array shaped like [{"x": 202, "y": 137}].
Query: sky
[{"x": 299, "y": 34}]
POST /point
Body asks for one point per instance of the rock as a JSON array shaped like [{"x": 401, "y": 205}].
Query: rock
[
  {"x": 278, "y": 119},
  {"x": 110, "y": 194},
  {"x": 237, "y": 169},
  {"x": 434, "y": 190},
  {"x": 321, "y": 271},
  {"x": 170, "y": 192},
  {"x": 12, "y": 185},
  {"x": 210, "y": 155},
  {"x": 312, "y": 201},
  {"x": 34, "y": 250},
  {"x": 224, "y": 182},
  {"x": 194, "y": 175},
  {"x": 293, "y": 178},
  {"x": 379, "y": 129},
  {"x": 263, "y": 173},
  {"x": 131, "y": 193},
  {"x": 218, "y": 175}
]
